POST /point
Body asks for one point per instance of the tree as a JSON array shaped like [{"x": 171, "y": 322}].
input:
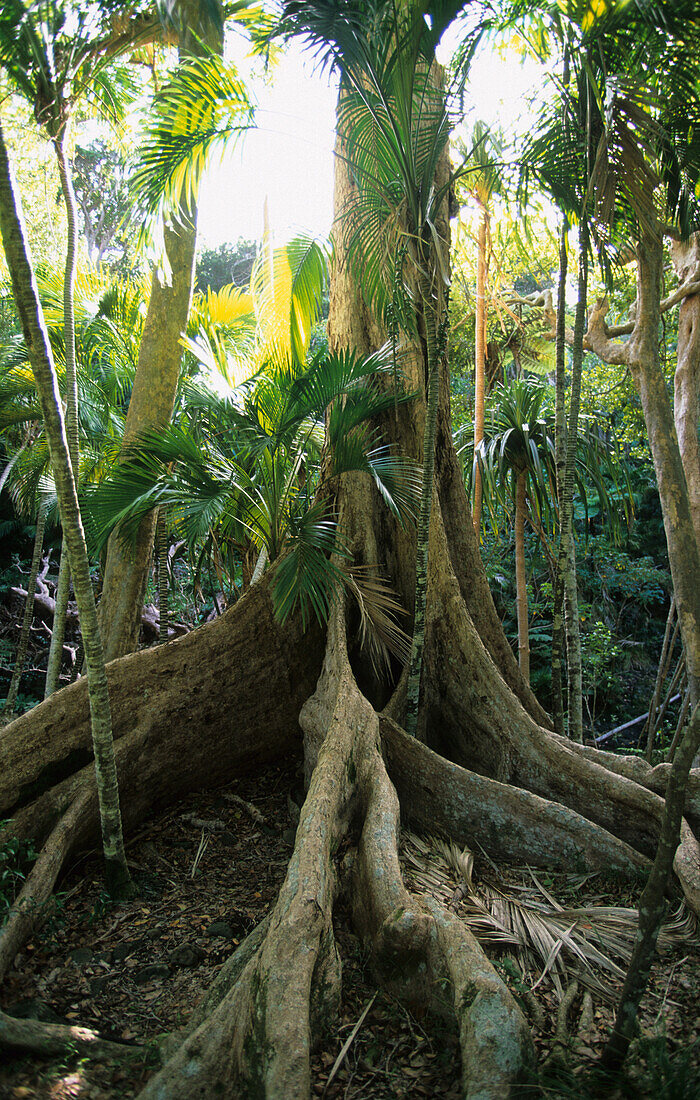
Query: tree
[
  {"x": 53, "y": 68},
  {"x": 229, "y": 263},
  {"x": 517, "y": 461},
  {"x": 480, "y": 185},
  {"x": 493, "y": 771},
  {"x": 100, "y": 182},
  {"x": 36, "y": 339},
  {"x": 167, "y": 181}
]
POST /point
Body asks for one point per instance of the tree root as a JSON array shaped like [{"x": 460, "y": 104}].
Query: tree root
[
  {"x": 280, "y": 990},
  {"x": 508, "y": 822},
  {"x": 501, "y": 741},
  {"x": 199, "y": 692},
  {"x": 64, "y": 816},
  {"x": 48, "y": 1039},
  {"x": 29, "y": 909}
]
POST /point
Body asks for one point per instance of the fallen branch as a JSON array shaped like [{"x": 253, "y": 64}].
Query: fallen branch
[{"x": 36, "y": 1037}]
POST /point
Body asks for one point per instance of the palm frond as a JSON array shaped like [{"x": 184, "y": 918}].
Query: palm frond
[
  {"x": 554, "y": 942},
  {"x": 380, "y": 635},
  {"x": 203, "y": 107}
]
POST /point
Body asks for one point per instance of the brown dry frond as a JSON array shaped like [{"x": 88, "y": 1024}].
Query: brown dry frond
[
  {"x": 380, "y": 610},
  {"x": 552, "y": 942}
]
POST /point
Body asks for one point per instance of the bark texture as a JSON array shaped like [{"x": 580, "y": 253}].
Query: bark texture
[
  {"x": 686, "y": 380},
  {"x": 489, "y": 770}
]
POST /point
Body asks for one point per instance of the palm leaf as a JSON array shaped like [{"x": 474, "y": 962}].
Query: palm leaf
[
  {"x": 554, "y": 942},
  {"x": 204, "y": 107}
]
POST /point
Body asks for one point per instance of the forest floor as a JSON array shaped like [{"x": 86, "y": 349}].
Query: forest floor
[{"x": 207, "y": 871}]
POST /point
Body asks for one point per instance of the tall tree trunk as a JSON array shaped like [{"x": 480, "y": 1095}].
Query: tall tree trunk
[
  {"x": 686, "y": 260},
  {"x": 23, "y": 643},
  {"x": 641, "y": 354},
  {"x": 567, "y": 549},
  {"x": 155, "y": 382},
  {"x": 508, "y": 784},
  {"x": 39, "y": 349},
  {"x": 521, "y": 574},
  {"x": 415, "y": 664},
  {"x": 479, "y": 361},
  {"x": 558, "y": 640},
  {"x": 53, "y": 668}
]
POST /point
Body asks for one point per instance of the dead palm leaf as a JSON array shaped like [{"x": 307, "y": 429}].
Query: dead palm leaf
[{"x": 590, "y": 943}]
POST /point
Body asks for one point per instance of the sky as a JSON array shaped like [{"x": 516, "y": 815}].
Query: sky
[{"x": 288, "y": 159}]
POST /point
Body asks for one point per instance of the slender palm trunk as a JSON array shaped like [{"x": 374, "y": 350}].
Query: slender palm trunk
[
  {"x": 23, "y": 643},
  {"x": 666, "y": 651},
  {"x": 560, "y": 467},
  {"x": 567, "y": 550},
  {"x": 39, "y": 348},
  {"x": 163, "y": 593},
  {"x": 521, "y": 575},
  {"x": 479, "y": 363},
  {"x": 423, "y": 535},
  {"x": 53, "y": 668}
]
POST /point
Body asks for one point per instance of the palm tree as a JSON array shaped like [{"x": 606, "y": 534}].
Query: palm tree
[
  {"x": 395, "y": 126},
  {"x": 260, "y": 478},
  {"x": 517, "y": 460},
  {"x": 479, "y": 187},
  {"x": 108, "y": 323},
  {"x": 642, "y": 69},
  {"x": 36, "y": 336},
  {"x": 49, "y": 52}
]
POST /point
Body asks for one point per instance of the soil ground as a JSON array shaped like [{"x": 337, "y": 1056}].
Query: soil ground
[{"x": 207, "y": 872}]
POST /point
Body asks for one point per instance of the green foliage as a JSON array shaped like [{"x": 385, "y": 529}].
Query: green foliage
[
  {"x": 203, "y": 107},
  {"x": 229, "y": 263},
  {"x": 260, "y": 481},
  {"x": 16, "y": 857}
]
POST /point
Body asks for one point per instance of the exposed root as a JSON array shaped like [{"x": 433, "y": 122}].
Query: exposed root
[
  {"x": 653, "y": 778},
  {"x": 474, "y": 719},
  {"x": 48, "y": 1039},
  {"x": 508, "y": 822},
  {"x": 29, "y": 909},
  {"x": 196, "y": 699},
  {"x": 233, "y": 733},
  {"x": 279, "y": 992}
]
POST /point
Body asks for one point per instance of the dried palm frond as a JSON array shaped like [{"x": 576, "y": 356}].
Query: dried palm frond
[
  {"x": 591, "y": 943},
  {"x": 380, "y": 610}
]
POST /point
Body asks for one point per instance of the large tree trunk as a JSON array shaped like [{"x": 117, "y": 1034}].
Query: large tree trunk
[
  {"x": 156, "y": 380},
  {"x": 521, "y": 575},
  {"x": 479, "y": 359},
  {"x": 53, "y": 668}
]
